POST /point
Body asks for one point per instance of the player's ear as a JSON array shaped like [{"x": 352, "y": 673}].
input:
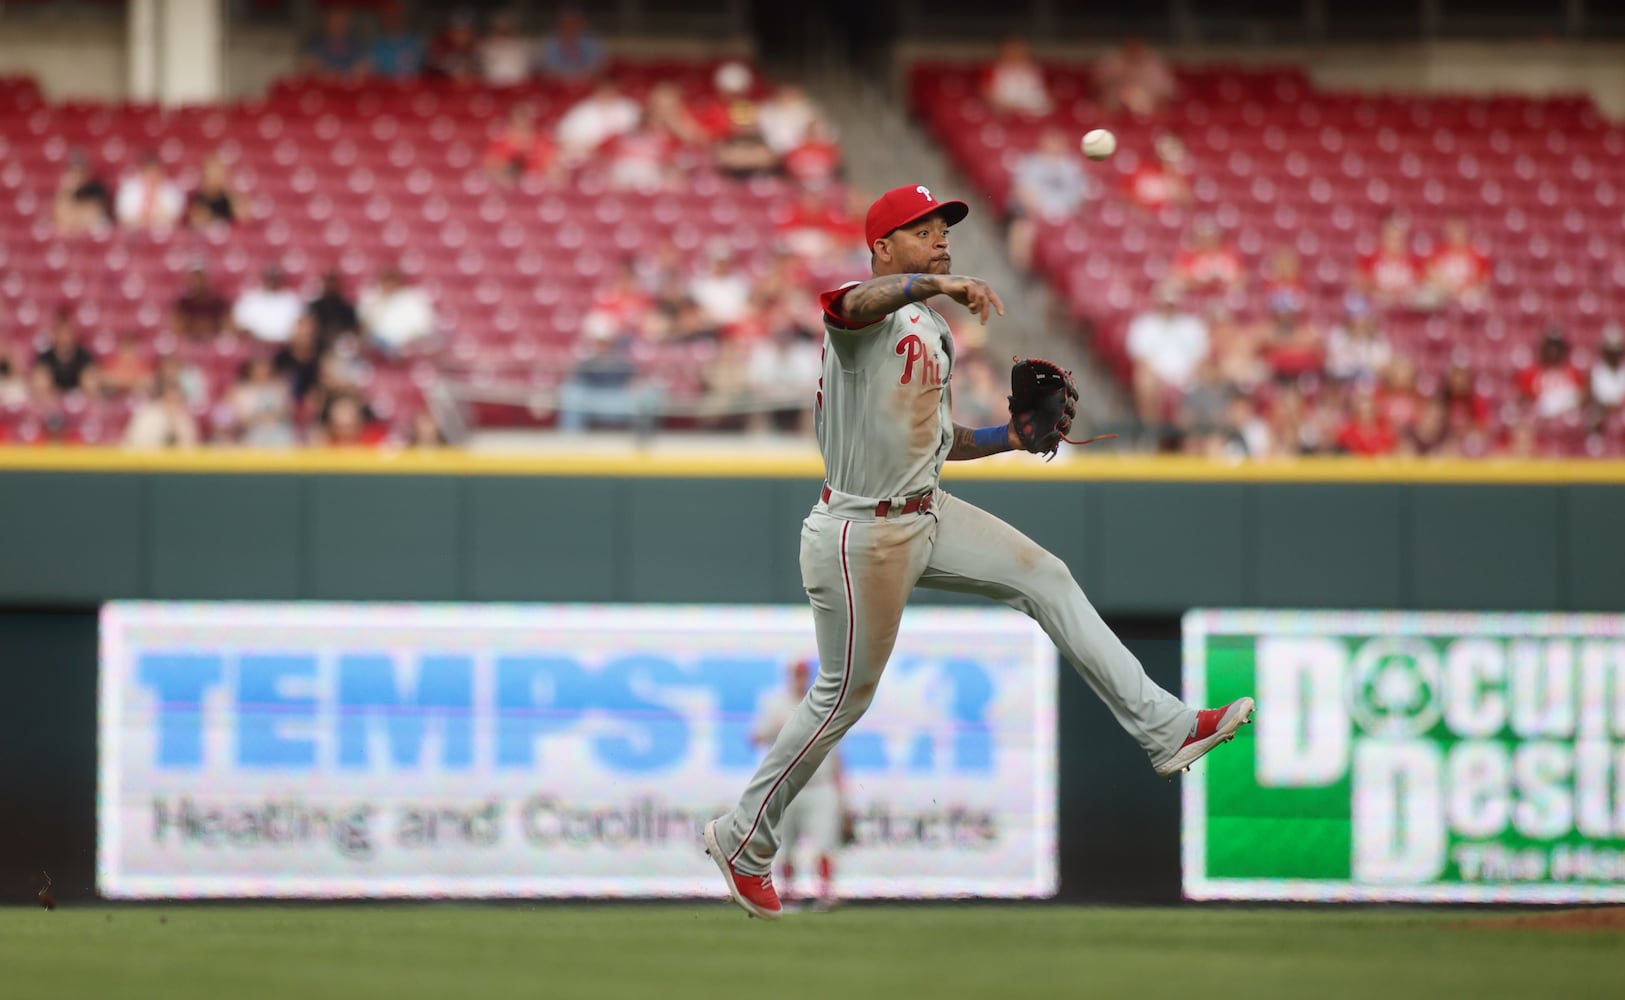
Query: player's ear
[{"x": 880, "y": 251}]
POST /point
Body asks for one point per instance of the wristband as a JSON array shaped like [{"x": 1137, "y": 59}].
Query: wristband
[
  {"x": 908, "y": 285},
  {"x": 991, "y": 437}
]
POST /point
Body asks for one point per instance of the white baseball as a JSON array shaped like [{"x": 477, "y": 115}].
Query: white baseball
[{"x": 1099, "y": 143}]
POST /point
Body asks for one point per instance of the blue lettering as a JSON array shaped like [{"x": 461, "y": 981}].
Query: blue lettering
[
  {"x": 973, "y": 693},
  {"x": 179, "y": 682},
  {"x": 536, "y": 696},
  {"x": 262, "y": 709},
  {"x": 738, "y": 686},
  {"x": 369, "y": 689},
  {"x": 653, "y": 736}
]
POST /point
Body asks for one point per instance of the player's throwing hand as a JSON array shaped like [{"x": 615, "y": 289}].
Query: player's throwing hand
[{"x": 972, "y": 293}]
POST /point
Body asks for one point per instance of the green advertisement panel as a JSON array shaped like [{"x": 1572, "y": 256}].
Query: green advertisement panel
[{"x": 1434, "y": 757}]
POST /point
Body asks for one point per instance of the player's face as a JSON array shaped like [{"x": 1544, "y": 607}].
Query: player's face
[{"x": 922, "y": 247}]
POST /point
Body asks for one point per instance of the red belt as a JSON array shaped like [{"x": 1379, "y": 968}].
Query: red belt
[{"x": 912, "y": 505}]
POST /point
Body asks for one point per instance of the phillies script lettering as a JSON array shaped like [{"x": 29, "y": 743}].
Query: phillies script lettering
[{"x": 912, "y": 350}]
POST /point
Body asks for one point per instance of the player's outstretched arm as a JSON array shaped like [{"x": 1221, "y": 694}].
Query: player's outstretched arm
[
  {"x": 880, "y": 297},
  {"x": 971, "y": 442}
]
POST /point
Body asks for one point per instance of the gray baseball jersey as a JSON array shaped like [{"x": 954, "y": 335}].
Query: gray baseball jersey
[{"x": 885, "y": 430}]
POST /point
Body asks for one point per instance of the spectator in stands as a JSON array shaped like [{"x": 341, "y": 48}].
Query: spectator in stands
[
  {"x": 1398, "y": 402},
  {"x": 1607, "y": 381},
  {"x": 424, "y": 431},
  {"x": 1391, "y": 276},
  {"x": 261, "y": 405},
  {"x": 1166, "y": 346},
  {"x": 1431, "y": 434},
  {"x": 1134, "y": 78},
  {"x": 786, "y": 118},
  {"x": 1283, "y": 279},
  {"x": 1553, "y": 385},
  {"x": 1364, "y": 432},
  {"x": 596, "y": 119},
  {"x": 572, "y": 51},
  {"x": 603, "y": 387},
  {"x": 396, "y": 52},
  {"x": 816, "y": 162},
  {"x": 1250, "y": 435},
  {"x": 1356, "y": 349},
  {"x": 1467, "y": 411},
  {"x": 743, "y": 153},
  {"x": 173, "y": 370},
  {"x": 346, "y": 422},
  {"x": 215, "y": 201},
  {"x": 333, "y": 312},
  {"x": 816, "y": 227},
  {"x": 505, "y": 58},
  {"x": 1048, "y": 187},
  {"x": 82, "y": 201},
  {"x": 644, "y": 159},
  {"x": 521, "y": 149},
  {"x": 1014, "y": 83},
  {"x": 335, "y": 51},
  {"x": 782, "y": 370},
  {"x": 299, "y": 361},
  {"x": 165, "y": 421},
  {"x": 148, "y": 199},
  {"x": 129, "y": 371},
  {"x": 394, "y": 314},
  {"x": 1208, "y": 265},
  {"x": 721, "y": 288},
  {"x": 67, "y": 360},
  {"x": 200, "y": 312},
  {"x": 268, "y": 313},
  {"x": 1293, "y": 348},
  {"x": 455, "y": 52},
  {"x": 1239, "y": 349},
  {"x": 664, "y": 109},
  {"x": 1457, "y": 274},
  {"x": 14, "y": 372},
  {"x": 1162, "y": 179}
]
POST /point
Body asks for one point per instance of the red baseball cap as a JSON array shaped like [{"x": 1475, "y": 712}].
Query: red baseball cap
[{"x": 900, "y": 206}]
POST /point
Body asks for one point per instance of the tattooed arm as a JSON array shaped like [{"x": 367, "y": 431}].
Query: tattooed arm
[
  {"x": 879, "y": 297},
  {"x": 970, "y": 442}
]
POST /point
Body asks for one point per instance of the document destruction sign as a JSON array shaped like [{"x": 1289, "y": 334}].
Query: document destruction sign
[
  {"x": 446, "y": 750},
  {"x": 1434, "y": 757}
]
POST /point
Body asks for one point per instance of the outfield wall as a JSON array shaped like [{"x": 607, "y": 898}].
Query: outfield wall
[{"x": 1147, "y": 539}]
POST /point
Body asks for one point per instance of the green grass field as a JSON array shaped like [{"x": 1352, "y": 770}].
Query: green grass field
[{"x": 712, "y": 951}]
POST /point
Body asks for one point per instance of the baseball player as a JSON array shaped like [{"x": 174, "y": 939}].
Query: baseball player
[
  {"x": 814, "y": 815},
  {"x": 883, "y": 526}
]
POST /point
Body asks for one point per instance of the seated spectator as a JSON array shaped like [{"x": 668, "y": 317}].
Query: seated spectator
[
  {"x": 744, "y": 154},
  {"x": 299, "y": 361},
  {"x": 454, "y": 54},
  {"x": 1014, "y": 83},
  {"x": 172, "y": 370},
  {"x": 148, "y": 199},
  {"x": 1356, "y": 349},
  {"x": 505, "y": 58},
  {"x": 67, "y": 360},
  {"x": 1134, "y": 78},
  {"x": 643, "y": 159},
  {"x": 1398, "y": 402},
  {"x": 572, "y": 51},
  {"x": 333, "y": 312},
  {"x": 520, "y": 150},
  {"x": 129, "y": 372},
  {"x": 730, "y": 102},
  {"x": 425, "y": 432},
  {"x": 1552, "y": 383},
  {"x": 817, "y": 227},
  {"x": 1364, "y": 432},
  {"x": 1391, "y": 276},
  {"x": 1208, "y": 265},
  {"x": 1283, "y": 280},
  {"x": 395, "y": 315},
  {"x": 268, "y": 313},
  {"x": 1293, "y": 348},
  {"x": 334, "y": 51},
  {"x": 1048, "y": 186},
  {"x": 165, "y": 421},
  {"x": 1431, "y": 435},
  {"x": 786, "y": 118},
  {"x": 214, "y": 201},
  {"x": 1466, "y": 409},
  {"x": 721, "y": 288},
  {"x": 1239, "y": 350},
  {"x": 14, "y": 375},
  {"x": 1607, "y": 382},
  {"x": 347, "y": 422},
  {"x": 1250, "y": 433},
  {"x": 1166, "y": 346},
  {"x": 82, "y": 201},
  {"x": 624, "y": 303},
  {"x": 665, "y": 110},
  {"x": 1163, "y": 178},
  {"x": 816, "y": 161},
  {"x": 1456, "y": 273},
  {"x": 782, "y": 371},
  {"x": 200, "y": 312},
  {"x": 396, "y": 52},
  {"x": 603, "y": 389},
  {"x": 596, "y": 119},
  {"x": 262, "y": 406}
]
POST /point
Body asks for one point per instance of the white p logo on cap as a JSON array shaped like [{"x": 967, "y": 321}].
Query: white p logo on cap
[{"x": 925, "y": 191}]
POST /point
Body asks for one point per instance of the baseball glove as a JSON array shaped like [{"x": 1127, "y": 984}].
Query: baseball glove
[{"x": 1043, "y": 401}]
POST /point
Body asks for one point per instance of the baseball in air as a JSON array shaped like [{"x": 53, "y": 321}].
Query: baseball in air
[{"x": 1099, "y": 143}]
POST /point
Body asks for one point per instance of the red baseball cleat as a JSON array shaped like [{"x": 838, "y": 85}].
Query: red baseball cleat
[
  {"x": 1213, "y": 726},
  {"x": 753, "y": 893}
]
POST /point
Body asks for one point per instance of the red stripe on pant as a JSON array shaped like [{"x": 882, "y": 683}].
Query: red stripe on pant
[{"x": 846, "y": 674}]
